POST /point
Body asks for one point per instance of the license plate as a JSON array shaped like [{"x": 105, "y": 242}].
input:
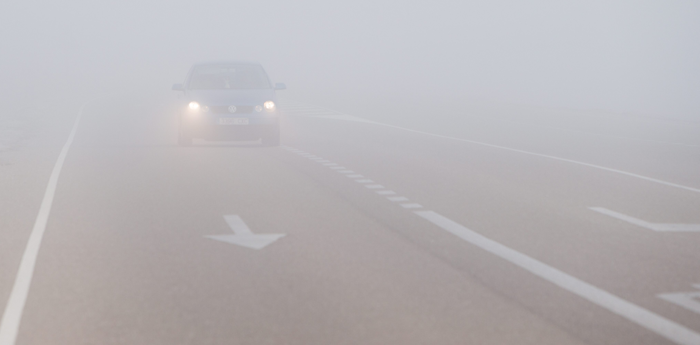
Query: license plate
[{"x": 233, "y": 120}]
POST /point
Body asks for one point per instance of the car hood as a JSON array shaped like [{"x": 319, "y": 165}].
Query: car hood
[{"x": 224, "y": 97}]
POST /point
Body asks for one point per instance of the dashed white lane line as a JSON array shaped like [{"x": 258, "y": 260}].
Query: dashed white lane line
[
  {"x": 12, "y": 316},
  {"x": 330, "y": 164},
  {"x": 643, "y": 317},
  {"x": 337, "y": 168},
  {"x": 397, "y": 198},
  {"x": 354, "y": 176},
  {"x": 346, "y": 171},
  {"x": 364, "y": 181}
]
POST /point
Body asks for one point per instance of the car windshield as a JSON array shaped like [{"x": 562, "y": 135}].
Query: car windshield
[{"x": 223, "y": 77}]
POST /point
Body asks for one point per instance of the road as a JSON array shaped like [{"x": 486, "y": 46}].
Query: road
[{"x": 396, "y": 231}]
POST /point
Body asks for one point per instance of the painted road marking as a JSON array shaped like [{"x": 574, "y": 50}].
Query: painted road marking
[
  {"x": 347, "y": 118},
  {"x": 354, "y": 176},
  {"x": 310, "y": 111},
  {"x": 645, "y": 318},
  {"x": 20, "y": 290},
  {"x": 687, "y": 300},
  {"x": 346, "y": 171},
  {"x": 650, "y": 179},
  {"x": 397, "y": 198},
  {"x": 336, "y": 168},
  {"x": 330, "y": 164},
  {"x": 661, "y": 227},
  {"x": 364, "y": 181},
  {"x": 243, "y": 236},
  {"x": 374, "y": 186},
  {"x": 595, "y": 134}
]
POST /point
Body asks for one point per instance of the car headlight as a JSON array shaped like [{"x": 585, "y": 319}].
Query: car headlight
[
  {"x": 194, "y": 106},
  {"x": 269, "y": 105}
]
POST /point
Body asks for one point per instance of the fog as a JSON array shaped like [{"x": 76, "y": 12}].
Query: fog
[
  {"x": 433, "y": 172},
  {"x": 622, "y": 56}
]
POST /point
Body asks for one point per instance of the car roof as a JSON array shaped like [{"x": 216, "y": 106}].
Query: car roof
[{"x": 227, "y": 62}]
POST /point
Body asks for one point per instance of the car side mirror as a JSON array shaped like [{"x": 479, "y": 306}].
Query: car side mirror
[
  {"x": 280, "y": 86},
  {"x": 178, "y": 87}
]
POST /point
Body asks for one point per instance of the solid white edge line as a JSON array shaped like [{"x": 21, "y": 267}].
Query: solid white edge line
[
  {"x": 12, "y": 316},
  {"x": 645, "y": 318},
  {"x": 670, "y": 184},
  {"x": 650, "y": 179}
]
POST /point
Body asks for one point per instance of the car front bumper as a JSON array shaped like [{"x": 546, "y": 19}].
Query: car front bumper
[{"x": 206, "y": 126}]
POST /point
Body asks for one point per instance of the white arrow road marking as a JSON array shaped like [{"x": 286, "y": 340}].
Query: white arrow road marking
[
  {"x": 687, "y": 300},
  {"x": 645, "y": 318},
  {"x": 648, "y": 225},
  {"x": 243, "y": 236}
]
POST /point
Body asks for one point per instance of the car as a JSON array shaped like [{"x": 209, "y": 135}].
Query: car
[{"x": 229, "y": 100}]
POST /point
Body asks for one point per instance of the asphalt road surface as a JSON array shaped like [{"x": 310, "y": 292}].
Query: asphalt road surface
[{"x": 485, "y": 230}]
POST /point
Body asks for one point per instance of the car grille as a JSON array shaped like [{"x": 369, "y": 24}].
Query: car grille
[{"x": 223, "y": 109}]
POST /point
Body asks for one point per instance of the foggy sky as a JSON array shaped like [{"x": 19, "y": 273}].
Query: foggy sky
[{"x": 636, "y": 56}]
